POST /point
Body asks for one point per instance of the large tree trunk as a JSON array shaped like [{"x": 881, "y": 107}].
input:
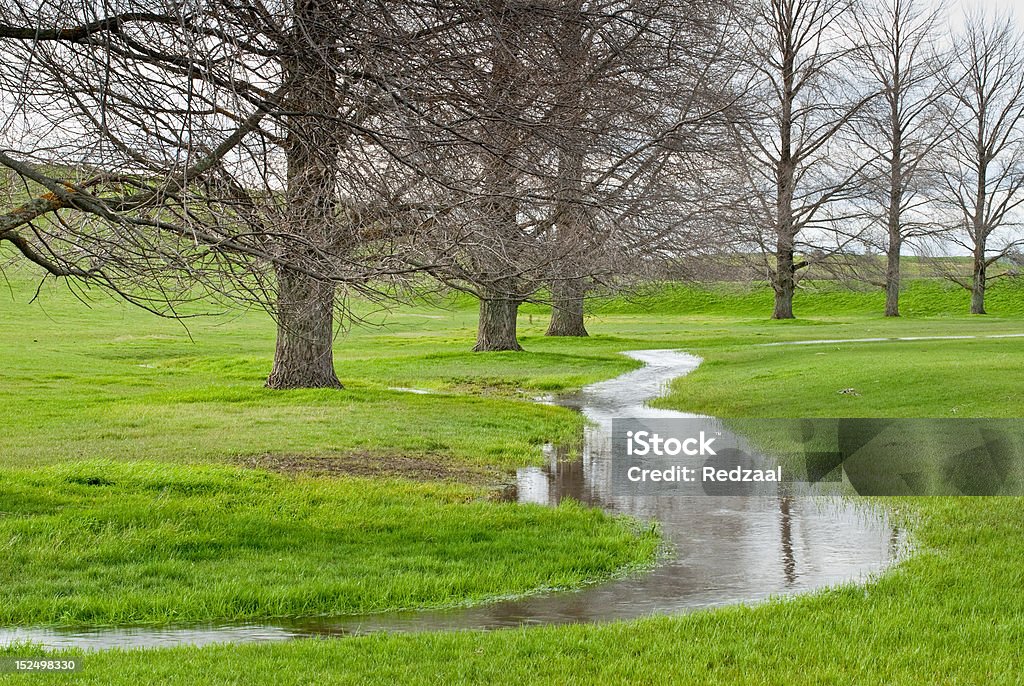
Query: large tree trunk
[
  {"x": 571, "y": 224},
  {"x": 785, "y": 281},
  {"x": 499, "y": 302},
  {"x": 567, "y": 298},
  {"x": 496, "y": 330},
  {"x": 304, "y": 357},
  {"x": 892, "y": 277},
  {"x": 978, "y": 282}
]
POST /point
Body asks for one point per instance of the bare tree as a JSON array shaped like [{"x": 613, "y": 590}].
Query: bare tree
[
  {"x": 899, "y": 131},
  {"x": 569, "y": 224},
  {"x": 176, "y": 142},
  {"x": 570, "y": 113},
  {"x": 798, "y": 102},
  {"x": 983, "y": 170},
  {"x": 663, "y": 84}
]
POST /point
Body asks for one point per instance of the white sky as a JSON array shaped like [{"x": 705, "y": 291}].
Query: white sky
[{"x": 960, "y": 7}]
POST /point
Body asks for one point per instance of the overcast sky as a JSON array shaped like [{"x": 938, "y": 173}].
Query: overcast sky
[{"x": 959, "y": 7}]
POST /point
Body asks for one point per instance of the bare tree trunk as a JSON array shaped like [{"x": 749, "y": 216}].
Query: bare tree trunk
[
  {"x": 894, "y": 219},
  {"x": 892, "y": 278},
  {"x": 571, "y": 224},
  {"x": 496, "y": 330},
  {"x": 785, "y": 283},
  {"x": 567, "y": 298},
  {"x": 785, "y": 267},
  {"x": 978, "y": 281},
  {"x": 895, "y": 224},
  {"x": 980, "y": 235},
  {"x": 785, "y": 178},
  {"x": 499, "y": 301},
  {"x": 304, "y": 356}
]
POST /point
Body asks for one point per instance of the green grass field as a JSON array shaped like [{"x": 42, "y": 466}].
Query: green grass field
[
  {"x": 126, "y": 543},
  {"x": 125, "y": 488}
]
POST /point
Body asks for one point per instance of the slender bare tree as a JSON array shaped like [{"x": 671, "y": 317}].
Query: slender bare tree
[
  {"x": 983, "y": 165},
  {"x": 797, "y": 54},
  {"x": 899, "y": 131}
]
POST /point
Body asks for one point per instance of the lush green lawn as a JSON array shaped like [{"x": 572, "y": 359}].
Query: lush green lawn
[
  {"x": 114, "y": 382},
  {"x": 953, "y": 613},
  {"x": 121, "y": 543},
  {"x": 116, "y": 504},
  {"x": 970, "y": 378}
]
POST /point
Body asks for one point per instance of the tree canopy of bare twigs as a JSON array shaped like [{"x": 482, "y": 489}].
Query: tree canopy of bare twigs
[
  {"x": 898, "y": 132},
  {"x": 282, "y": 150},
  {"x": 259, "y": 148},
  {"x": 571, "y": 113},
  {"x": 983, "y": 161},
  {"x": 295, "y": 153},
  {"x": 797, "y": 189}
]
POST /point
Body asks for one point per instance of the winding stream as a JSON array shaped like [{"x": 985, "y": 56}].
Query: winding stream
[{"x": 723, "y": 549}]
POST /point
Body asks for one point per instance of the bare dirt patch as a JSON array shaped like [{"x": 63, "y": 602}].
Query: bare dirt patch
[{"x": 379, "y": 466}]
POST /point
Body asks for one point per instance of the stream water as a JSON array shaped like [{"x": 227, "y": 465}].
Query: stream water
[{"x": 722, "y": 550}]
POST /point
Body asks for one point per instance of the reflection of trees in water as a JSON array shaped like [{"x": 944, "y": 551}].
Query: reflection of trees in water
[
  {"x": 786, "y": 529},
  {"x": 895, "y": 542},
  {"x": 725, "y": 548},
  {"x": 566, "y": 477}
]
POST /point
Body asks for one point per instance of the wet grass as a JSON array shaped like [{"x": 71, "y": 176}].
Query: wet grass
[
  {"x": 124, "y": 543},
  {"x": 135, "y": 400},
  {"x": 114, "y": 382},
  {"x": 74, "y": 390},
  {"x": 952, "y": 614}
]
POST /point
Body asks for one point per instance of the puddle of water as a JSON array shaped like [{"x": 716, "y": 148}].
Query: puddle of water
[
  {"x": 101, "y": 638},
  {"x": 824, "y": 341},
  {"x": 416, "y": 391},
  {"x": 724, "y": 549}
]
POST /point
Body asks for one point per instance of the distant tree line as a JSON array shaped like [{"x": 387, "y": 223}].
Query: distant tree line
[{"x": 869, "y": 126}]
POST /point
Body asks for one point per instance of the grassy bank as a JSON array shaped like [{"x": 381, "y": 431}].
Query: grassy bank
[
  {"x": 950, "y": 614},
  {"x": 147, "y": 476},
  {"x": 121, "y": 543},
  {"x": 962, "y": 378}
]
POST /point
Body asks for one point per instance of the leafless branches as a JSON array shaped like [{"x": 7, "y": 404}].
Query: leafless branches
[
  {"x": 797, "y": 188},
  {"x": 897, "y": 133},
  {"x": 983, "y": 162}
]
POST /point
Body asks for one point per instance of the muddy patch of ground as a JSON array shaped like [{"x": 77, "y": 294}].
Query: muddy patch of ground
[{"x": 379, "y": 466}]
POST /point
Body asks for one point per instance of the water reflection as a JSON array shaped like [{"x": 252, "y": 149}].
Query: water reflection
[
  {"x": 725, "y": 549},
  {"x": 786, "y": 529}
]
